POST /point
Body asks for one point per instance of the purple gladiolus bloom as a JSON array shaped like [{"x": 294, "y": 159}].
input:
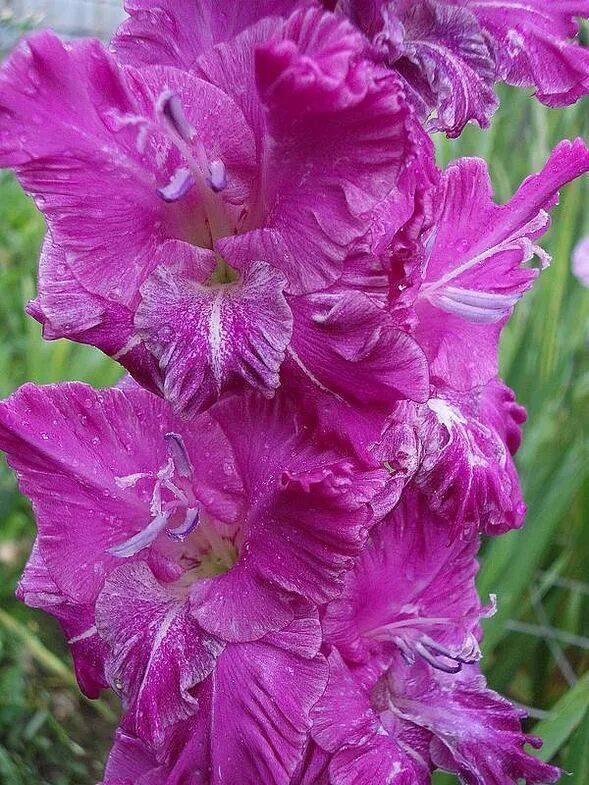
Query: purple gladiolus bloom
[
  {"x": 405, "y": 694},
  {"x": 170, "y": 551},
  {"x": 475, "y": 259},
  {"x": 203, "y": 221},
  {"x": 457, "y": 449},
  {"x": 451, "y": 52}
]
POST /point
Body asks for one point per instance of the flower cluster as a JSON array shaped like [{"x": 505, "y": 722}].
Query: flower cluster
[{"x": 264, "y": 539}]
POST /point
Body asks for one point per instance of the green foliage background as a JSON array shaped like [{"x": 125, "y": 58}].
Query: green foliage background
[{"x": 536, "y": 647}]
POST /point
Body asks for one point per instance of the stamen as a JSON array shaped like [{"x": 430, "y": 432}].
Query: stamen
[
  {"x": 469, "y": 653},
  {"x": 190, "y": 523},
  {"x": 175, "y": 511},
  {"x": 436, "y": 661},
  {"x": 405, "y": 650},
  {"x": 392, "y": 470},
  {"x": 140, "y": 540},
  {"x": 437, "y": 648},
  {"x": 180, "y": 184},
  {"x": 385, "y": 631},
  {"x": 156, "y": 498},
  {"x": 207, "y": 177},
  {"x": 217, "y": 179},
  {"x": 89, "y": 633},
  {"x": 172, "y": 109},
  {"x": 178, "y": 453}
]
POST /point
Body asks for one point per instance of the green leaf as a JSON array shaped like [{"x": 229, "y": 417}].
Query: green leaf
[
  {"x": 511, "y": 561},
  {"x": 577, "y": 758},
  {"x": 565, "y": 717}
]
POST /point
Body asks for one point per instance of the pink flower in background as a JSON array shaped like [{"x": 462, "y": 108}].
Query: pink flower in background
[
  {"x": 581, "y": 261},
  {"x": 451, "y": 52}
]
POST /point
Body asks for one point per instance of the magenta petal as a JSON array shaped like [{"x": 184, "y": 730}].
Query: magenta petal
[
  {"x": 442, "y": 53},
  {"x": 299, "y": 545},
  {"x": 378, "y": 762},
  {"x": 350, "y": 347},
  {"x": 457, "y": 450},
  {"x": 67, "y": 309},
  {"x": 157, "y": 651},
  {"x": 446, "y": 61},
  {"x": 313, "y": 768},
  {"x": 468, "y": 473},
  {"x": 344, "y": 714},
  {"x": 534, "y": 46},
  {"x": 129, "y": 762},
  {"x": 307, "y": 541},
  {"x": 308, "y": 518},
  {"x": 342, "y": 135},
  {"x": 208, "y": 337},
  {"x": 37, "y": 589},
  {"x": 253, "y": 719},
  {"x": 476, "y": 733},
  {"x": 61, "y": 102},
  {"x": 313, "y": 66},
  {"x": 176, "y": 32},
  {"x": 364, "y": 751},
  {"x": 500, "y": 410},
  {"x": 409, "y": 582},
  {"x": 258, "y": 703},
  {"x": 240, "y": 605},
  {"x": 474, "y": 274},
  {"x": 68, "y": 443}
]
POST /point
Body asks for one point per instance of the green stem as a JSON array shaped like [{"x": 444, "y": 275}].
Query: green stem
[{"x": 50, "y": 662}]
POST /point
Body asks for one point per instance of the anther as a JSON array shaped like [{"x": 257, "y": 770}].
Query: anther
[
  {"x": 178, "y": 453},
  {"x": 217, "y": 179},
  {"x": 436, "y": 660},
  {"x": 172, "y": 109},
  {"x": 180, "y": 184},
  {"x": 189, "y": 524}
]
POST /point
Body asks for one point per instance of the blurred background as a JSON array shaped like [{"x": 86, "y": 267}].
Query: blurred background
[
  {"x": 537, "y": 646},
  {"x": 71, "y": 17}
]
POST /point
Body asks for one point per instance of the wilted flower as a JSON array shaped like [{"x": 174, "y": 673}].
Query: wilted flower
[{"x": 457, "y": 450}]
